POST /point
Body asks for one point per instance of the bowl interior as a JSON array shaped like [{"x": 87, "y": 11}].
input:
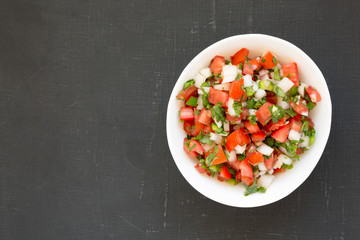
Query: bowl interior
[{"x": 285, "y": 182}]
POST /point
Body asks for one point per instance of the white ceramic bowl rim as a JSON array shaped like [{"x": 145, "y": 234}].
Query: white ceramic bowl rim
[{"x": 284, "y": 183}]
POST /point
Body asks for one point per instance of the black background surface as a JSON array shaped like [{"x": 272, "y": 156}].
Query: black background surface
[{"x": 84, "y": 87}]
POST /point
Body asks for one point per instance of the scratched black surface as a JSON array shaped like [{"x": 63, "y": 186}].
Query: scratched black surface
[{"x": 84, "y": 87}]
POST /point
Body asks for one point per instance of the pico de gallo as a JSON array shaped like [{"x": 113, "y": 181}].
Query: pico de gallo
[{"x": 247, "y": 119}]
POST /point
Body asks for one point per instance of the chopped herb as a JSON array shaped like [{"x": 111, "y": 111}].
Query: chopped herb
[
  {"x": 310, "y": 105},
  {"x": 305, "y": 127},
  {"x": 215, "y": 168},
  {"x": 192, "y": 101},
  {"x": 274, "y": 60},
  {"x": 218, "y": 75},
  {"x": 211, "y": 157},
  {"x": 241, "y": 157},
  {"x": 252, "y": 119},
  {"x": 263, "y": 60},
  {"x": 296, "y": 98},
  {"x": 277, "y": 73},
  {"x": 247, "y": 62},
  {"x": 291, "y": 112},
  {"x": 249, "y": 91},
  {"x": 188, "y": 145},
  {"x": 205, "y": 84},
  {"x": 278, "y": 91},
  {"x": 238, "y": 77},
  {"x": 259, "y": 103},
  {"x": 188, "y": 83},
  {"x": 306, "y": 97},
  {"x": 188, "y": 137},
  {"x": 241, "y": 66},
  {"x": 287, "y": 166},
  {"x": 197, "y": 112},
  {"x": 291, "y": 149},
  {"x": 232, "y": 181},
  {"x": 205, "y": 100},
  {"x": 227, "y": 62},
  {"x": 288, "y": 75},
  {"x": 293, "y": 91},
  {"x": 238, "y": 108},
  {"x": 206, "y": 139},
  {"x": 266, "y": 157},
  {"x": 218, "y": 112},
  {"x": 216, "y": 129},
  {"x": 232, "y": 171},
  {"x": 253, "y": 189},
  {"x": 277, "y": 113}
]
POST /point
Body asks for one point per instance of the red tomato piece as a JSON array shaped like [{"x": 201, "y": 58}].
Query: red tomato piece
[
  {"x": 278, "y": 170},
  {"x": 243, "y": 137},
  {"x": 232, "y": 119},
  {"x": 247, "y": 175},
  {"x": 295, "y": 124},
  {"x": 247, "y": 69},
  {"x": 281, "y": 134},
  {"x": 197, "y": 129},
  {"x": 224, "y": 173},
  {"x": 232, "y": 141},
  {"x": 255, "y": 158},
  {"x": 263, "y": 113},
  {"x": 199, "y": 168},
  {"x": 251, "y": 128},
  {"x": 269, "y": 163},
  {"x": 217, "y": 64},
  {"x": 250, "y": 148},
  {"x": 299, "y": 107},
  {"x": 220, "y": 156},
  {"x": 187, "y": 126},
  {"x": 187, "y": 113},
  {"x": 311, "y": 123},
  {"x": 236, "y": 90},
  {"x": 256, "y": 63},
  {"x": 187, "y": 93},
  {"x": 191, "y": 154},
  {"x": 204, "y": 117},
  {"x": 239, "y": 57},
  {"x": 271, "y": 97},
  {"x": 313, "y": 94},
  {"x": 258, "y": 136},
  {"x": 271, "y": 126},
  {"x": 268, "y": 60},
  {"x": 290, "y": 70},
  {"x": 195, "y": 146},
  {"x": 216, "y": 96},
  {"x": 245, "y": 113}
]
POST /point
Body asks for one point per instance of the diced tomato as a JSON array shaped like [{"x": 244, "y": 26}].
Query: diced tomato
[
  {"x": 216, "y": 96},
  {"x": 268, "y": 60},
  {"x": 238, "y": 175},
  {"x": 199, "y": 168},
  {"x": 263, "y": 113},
  {"x": 243, "y": 137},
  {"x": 256, "y": 63},
  {"x": 217, "y": 64},
  {"x": 299, "y": 151},
  {"x": 271, "y": 97},
  {"x": 313, "y": 94},
  {"x": 195, "y": 146},
  {"x": 224, "y": 173},
  {"x": 290, "y": 70},
  {"x": 187, "y": 93},
  {"x": 236, "y": 92},
  {"x": 258, "y": 136},
  {"x": 295, "y": 124},
  {"x": 299, "y": 107},
  {"x": 204, "y": 117},
  {"x": 232, "y": 141},
  {"x": 187, "y": 126},
  {"x": 311, "y": 123},
  {"x": 250, "y": 148},
  {"x": 281, "y": 134},
  {"x": 247, "y": 175},
  {"x": 232, "y": 119},
  {"x": 255, "y": 158},
  {"x": 251, "y": 128},
  {"x": 247, "y": 69},
  {"x": 191, "y": 154},
  {"x": 186, "y": 113},
  {"x": 278, "y": 170},
  {"x": 197, "y": 129},
  {"x": 271, "y": 126},
  {"x": 269, "y": 163},
  {"x": 239, "y": 57},
  {"x": 220, "y": 156},
  {"x": 245, "y": 113}
]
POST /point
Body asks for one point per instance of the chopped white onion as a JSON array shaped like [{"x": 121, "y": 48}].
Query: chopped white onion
[
  {"x": 218, "y": 123},
  {"x": 255, "y": 86},
  {"x": 252, "y": 111},
  {"x": 237, "y": 122},
  {"x": 230, "y": 105},
  {"x": 305, "y": 113},
  {"x": 305, "y": 143},
  {"x": 272, "y": 74},
  {"x": 200, "y": 91},
  {"x": 271, "y": 171},
  {"x": 229, "y": 73},
  {"x": 264, "y": 77},
  {"x": 263, "y": 72},
  {"x": 206, "y": 72},
  {"x": 216, "y": 137},
  {"x": 237, "y": 126},
  {"x": 283, "y": 150},
  {"x": 260, "y": 94},
  {"x": 240, "y": 149},
  {"x": 262, "y": 173},
  {"x": 256, "y": 174},
  {"x": 223, "y": 86},
  {"x": 284, "y": 159},
  {"x": 232, "y": 155},
  {"x": 207, "y": 147},
  {"x": 226, "y": 126},
  {"x": 285, "y": 84},
  {"x": 265, "y": 149},
  {"x": 244, "y": 104},
  {"x": 262, "y": 166},
  {"x": 278, "y": 164},
  {"x": 294, "y": 135},
  {"x": 265, "y": 180},
  {"x": 301, "y": 89},
  {"x": 283, "y": 104},
  {"x": 247, "y": 80},
  {"x": 313, "y": 97},
  {"x": 199, "y": 79},
  {"x": 199, "y": 103},
  {"x": 206, "y": 89}
]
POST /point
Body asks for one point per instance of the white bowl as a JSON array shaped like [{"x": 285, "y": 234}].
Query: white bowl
[{"x": 285, "y": 182}]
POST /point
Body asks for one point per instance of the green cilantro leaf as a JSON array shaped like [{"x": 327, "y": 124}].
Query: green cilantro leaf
[
  {"x": 274, "y": 60},
  {"x": 238, "y": 77},
  {"x": 227, "y": 62},
  {"x": 192, "y": 101},
  {"x": 211, "y": 157},
  {"x": 241, "y": 157},
  {"x": 218, "y": 112},
  {"x": 252, "y": 119},
  {"x": 188, "y": 83},
  {"x": 290, "y": 112},
  {"x": 241, "y": 66},
  {"x": 263, "y": 60},
  {"x": 238, "y": 108},
  {"x": 205, "y": 100},
  {"x": 253, "y": 189},
  {"x": 277, "y": 113},
  {"x": 277, "y": 73},
  {"x": 278, "y": 91}
]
